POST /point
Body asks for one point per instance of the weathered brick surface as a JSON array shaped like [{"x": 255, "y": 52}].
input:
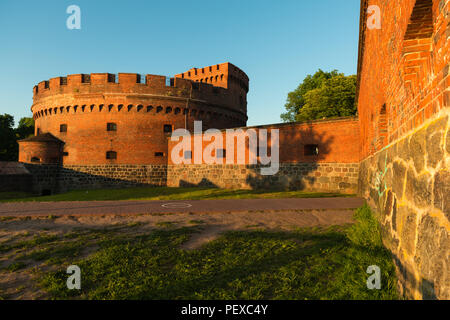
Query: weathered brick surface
[
  {"x": 140, "y": 109},
  {"x": 337, "y": 141},
  {"x": 404, "y": 113},
  {"x": 56, "y": 178}
]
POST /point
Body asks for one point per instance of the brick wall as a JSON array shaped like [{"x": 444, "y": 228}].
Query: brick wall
[
  {"x": 403, "y": 106},
  {"x": 139, "y": 106},
  {"x": 333, "y": 169},
  {"x": 321, "y": 177},
  {"x": 57, "y": 179}
]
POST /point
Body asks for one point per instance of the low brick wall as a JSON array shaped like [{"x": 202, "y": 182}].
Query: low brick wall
[
  {"x": 14, "y": 177},
  {"x": 55, "y": 179},
  {"x": 16, "y": 182},
  {"x": 408, "y": 183},
  {"x": 329, "y": 177}
]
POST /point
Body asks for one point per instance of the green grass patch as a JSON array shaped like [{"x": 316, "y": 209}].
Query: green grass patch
[
  {"x": 301, "y": 264},
  {"x": 165, "y": 224},
  {"x": 16, "y": 266},
  {"x": 165, "y": 193}
]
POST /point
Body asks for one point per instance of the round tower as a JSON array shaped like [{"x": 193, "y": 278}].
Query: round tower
[{"x": 103, "y": 120}]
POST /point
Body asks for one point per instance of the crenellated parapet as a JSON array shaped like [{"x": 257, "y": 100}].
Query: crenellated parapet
[
  {"x": 105, "y": 88},
  {"x": 126, "y": 118}
]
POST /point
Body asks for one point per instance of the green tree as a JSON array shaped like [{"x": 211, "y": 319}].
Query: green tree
[
  {"x": 25, "y": 128},
  {"x": 8, "y": 144},
  {"x": 322, "y": 95},
  {"x": 9, "y": 149}
]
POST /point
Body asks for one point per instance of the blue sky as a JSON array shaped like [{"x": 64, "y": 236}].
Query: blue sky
[{"x": 277, "y": 43}]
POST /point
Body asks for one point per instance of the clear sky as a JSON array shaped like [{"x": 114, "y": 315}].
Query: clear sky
[{"x": 277, "y": 43}]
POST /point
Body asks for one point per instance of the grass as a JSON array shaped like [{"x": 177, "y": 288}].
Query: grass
[
  {"x": 164, "y": 193},
  {"x": 302, "y": 264}
]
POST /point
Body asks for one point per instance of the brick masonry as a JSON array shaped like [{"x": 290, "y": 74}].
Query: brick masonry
[
  {"x": 56, "y": 178},
  {"x": 326, "y": 177},
  {"x": 404, "y": 108},
  {"x": 408, "y": 182}
]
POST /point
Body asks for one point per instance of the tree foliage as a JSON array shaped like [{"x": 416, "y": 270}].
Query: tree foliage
[
  {"x": 9, "y": 135},
  {"x": 322, "y": 95}
]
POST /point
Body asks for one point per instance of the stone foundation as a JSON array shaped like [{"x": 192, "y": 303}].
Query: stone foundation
[
  {"x": 326, "y": 177},
  {"x": 55, "y": 178},
  {"x": 408, "y": 183}
]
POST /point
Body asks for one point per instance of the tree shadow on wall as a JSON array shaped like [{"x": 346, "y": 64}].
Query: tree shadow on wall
[
  {"x": 299, "y": 163},
  {"x": 425, "y": 286},
  {"x": 204, "y": 183}
]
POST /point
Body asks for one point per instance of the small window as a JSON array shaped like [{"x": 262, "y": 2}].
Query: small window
[
  {"x": 111, "y": 126},
  {"x": 35, "y": 159},
  {"x": 311, "y": 150},
  {"x": 167, "y": 128},
  {"x": 38, "y": 131},
  {"x": 111, "y": 155},
  {"x": 159, "y": 154},
  {"x": 221, "y": 153},
  {"x": 65, "y": 154},
  {"x": 63, "y": 128},
  {"x": 188, "y": 154}
]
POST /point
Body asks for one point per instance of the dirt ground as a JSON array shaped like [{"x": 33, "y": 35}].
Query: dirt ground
[{"x": 15, "y": 284}]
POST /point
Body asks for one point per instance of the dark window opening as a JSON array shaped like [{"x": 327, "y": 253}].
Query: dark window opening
[
  {"x": 111, "y": 155},
  {"x": 38, "y": 131},
  {"x": 111, "y": 127},
  {"x": 85, "y": 78},
  {"x": 167, "y": 128},
  {"x": 63, "y": 128},
  {"x": 65, "y": 154},
  {"x": 159, "y": 154},
  {"x": 111, "y": 77},
  {"x": 311, "y": 150}
]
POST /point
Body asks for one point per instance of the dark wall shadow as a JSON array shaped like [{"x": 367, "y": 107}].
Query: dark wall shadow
[{"x": 54, "y": 178}]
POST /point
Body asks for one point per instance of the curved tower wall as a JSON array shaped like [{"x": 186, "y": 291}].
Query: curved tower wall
[{"x": 77, "y": 109}]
